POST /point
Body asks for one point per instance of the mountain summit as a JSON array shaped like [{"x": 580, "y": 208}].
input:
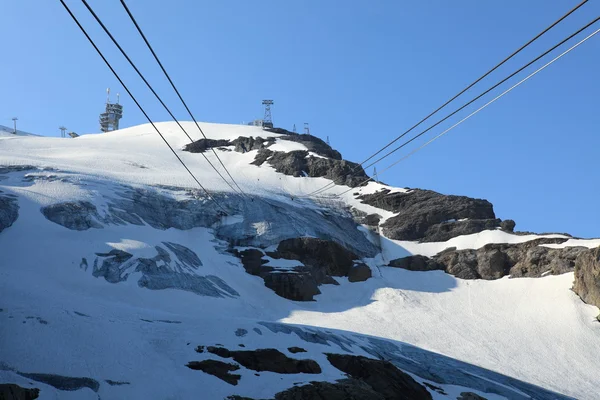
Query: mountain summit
[{"x": 121, "y": 278}]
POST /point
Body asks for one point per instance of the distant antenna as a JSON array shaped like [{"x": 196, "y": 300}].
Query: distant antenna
[
  {"x": 268, "y": 120},
  {"x": 306, "y": 129},
  {"x": 294, "y": 128},
  {"x": 117, "y": 98},
  {"x": 15, "y": 122},
  {"x": 62, "y": 131},
  {"x": 375, "y": 174},
  {"x": 328, "y": 142},
  {"x": 107, "y": 95}
]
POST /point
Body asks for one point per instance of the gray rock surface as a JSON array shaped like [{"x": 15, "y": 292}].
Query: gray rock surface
[
  {"x": 9, "y": 210},
  {"x": 587, "y": 276},
  {"x": 493, "y": 261},
  {"x": 61, "y": 382},
  {"x": 429, "y": 216},
  {"x": 75, "y": 215},
  {"x": 217, "y": 368},
  {"x": 359, "y": 273}
]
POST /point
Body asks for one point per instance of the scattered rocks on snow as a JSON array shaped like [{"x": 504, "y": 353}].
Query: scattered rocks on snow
[
  {"x": 587, "y": 276},
  {"x": 268, "y": 360},
  {"x": 116, "y": 383},
  {"x": 11, "y": 391},
  {"x": 470, "y": 396},
  {"x": 494, "y": 261},
  {"x": 217, "y": 368}
]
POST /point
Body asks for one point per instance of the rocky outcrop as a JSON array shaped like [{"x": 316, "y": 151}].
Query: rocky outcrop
[
  {"x": 320, "y": 260},
  {"x": 431, "y": 217},
  {"x": 11, "y": 391},
  {"x": 345, "y": 389},
  {"x": 268, "y": 360},
  {"x": 174, "y": 267},
  {"x": 75, "y": 215},
  {"x": 493, "y": 261},
  {"x": 382, "y": 376},
  {"x": 299, "y": 163},
  {"x": 217, "y": 368},
  {"x": 587, "y": 276},
  {"x": 470, "y": 396},
  {"x": 9, "y": 210}
]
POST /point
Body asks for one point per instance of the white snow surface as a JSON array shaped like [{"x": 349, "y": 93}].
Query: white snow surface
[{"x": 533, "y": 329}]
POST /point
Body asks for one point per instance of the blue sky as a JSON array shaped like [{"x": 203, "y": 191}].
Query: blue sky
[{"x": 360, "y": 72}]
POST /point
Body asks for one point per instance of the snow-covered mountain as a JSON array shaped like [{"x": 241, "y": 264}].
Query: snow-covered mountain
[{"x": 120, "y": 278}]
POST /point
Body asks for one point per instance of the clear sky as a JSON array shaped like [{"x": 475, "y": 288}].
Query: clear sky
[{"x": 360, "y": 72}]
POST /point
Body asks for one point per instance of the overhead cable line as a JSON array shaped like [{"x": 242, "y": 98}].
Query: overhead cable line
[
  {"x": 152, "y": 89},
  {"x": 479, "y": 96},
  {"x": 138, "y": 104},
  {"x": 478, "y": 110},
  {"x": 333, "y": 183},
  {"x": 174, "y": 87}
]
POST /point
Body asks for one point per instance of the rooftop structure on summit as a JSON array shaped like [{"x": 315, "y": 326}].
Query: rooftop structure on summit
[{"x": 109, "y": 119}]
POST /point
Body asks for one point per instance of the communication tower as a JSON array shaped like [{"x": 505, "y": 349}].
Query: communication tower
[
  {"x": 267, "y": 120},
  {"x": 109, "y": 119},
  {"x": 306, "y": 129},
  {"x": 62, "y": 131}
]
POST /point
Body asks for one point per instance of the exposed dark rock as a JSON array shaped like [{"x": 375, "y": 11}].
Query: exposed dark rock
[
  {"x": 116, "y": 383},
  {"x": 496, "y": 260},
  {"x": 328, "y": 256},
  {"x": 241, "y": 332},
  {"x": 268, "y": 360},
  {"x": 508, "y": 225},
  {"x": 202, "y": 145},
  {"x": 293, "y": 285},
  {"x": 346, "y": 389},
  {"x": 63, "y": 382},
  {"x": 245, "y": 144},
  {"x": 416, "y": 263},
  {"x": 217, "y": 368},
  {"x": 75, "y": 215},
  {"x": 295, "y": 350},
  {"x": 322, "y": 260},
  {"x": 11, "y": 391},
  {"x": 261, "y": 157},
  {"x": 382, "y": 376},
  {"x": 470, "y": 396},
  {"x": 435, "y": 388},
  {"x": 312, "y": 143},
  {"x": 359, "y": 273},
  {"x": 9, "y": 211},
  {"x": 420, "y": 211},
  {"x": 587, "y": 276}
]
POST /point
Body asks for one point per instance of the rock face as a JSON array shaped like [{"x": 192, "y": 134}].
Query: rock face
[
  {"x": 174, "y": 267},
  {"x": 321, "y": 260},
  {"x": 382, "y": 376},
  {"x": 217, "y": 368},
  {"x": 346, "y": 389},
  {"x": 61, "y": 382},
  {"x": 9, "y": 211},
  {"x": 494, "y": 261},
  {"x": 587, "y": 276},
  {"x": 432, "y": 217},
  {"x": 75, "y": 215},
  {"x": 268, "y": 360},
  {"x": 10, "y": 391}
]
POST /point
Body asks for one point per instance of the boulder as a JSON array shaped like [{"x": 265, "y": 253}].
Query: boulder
[
  {"x": 359, "y": 273},
  {"x": 346, "y": 389},
  {"x": 587, "y": 276},
  {"x": 508, "y": 225},
  {"x": 293, "y": 286},
  {"x": 217, "y": 368},
  {"x": 75, "y": 215},
  {"x": 271, "y": 360},
  {"x": 416, "y": 263}
]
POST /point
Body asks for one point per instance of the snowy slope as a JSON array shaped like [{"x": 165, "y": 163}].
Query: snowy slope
[{"x": 61, "y": 316}]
